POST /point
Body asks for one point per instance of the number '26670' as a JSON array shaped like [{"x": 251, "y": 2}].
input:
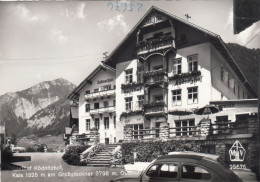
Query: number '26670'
[{"x": 123, "y": 6}]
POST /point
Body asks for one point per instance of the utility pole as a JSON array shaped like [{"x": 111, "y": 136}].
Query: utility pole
[{"x": 187, "y": 16}]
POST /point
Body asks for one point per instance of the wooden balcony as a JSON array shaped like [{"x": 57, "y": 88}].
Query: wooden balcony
[
  {"x": 155, "y": 109},
  {"x": 156, "y": 77},
  {"x": 154, "y": 45},
  {"x": 102, "y": 110},
  {"x": 100, "y": 94}
]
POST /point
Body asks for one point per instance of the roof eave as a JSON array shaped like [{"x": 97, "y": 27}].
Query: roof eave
[{"x": 75, "y": 93}]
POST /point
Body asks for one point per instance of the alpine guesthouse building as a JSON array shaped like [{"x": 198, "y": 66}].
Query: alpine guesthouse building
[{"x": 154, "y": 81}]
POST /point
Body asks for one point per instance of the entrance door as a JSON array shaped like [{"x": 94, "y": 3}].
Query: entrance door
[
  {"x": 106, "y": 140},
  {"x": 157, "y": 125}
]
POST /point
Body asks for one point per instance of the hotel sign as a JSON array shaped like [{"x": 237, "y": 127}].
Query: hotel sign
[
  {"x": 190, "y": 80},
  {"x": 105, "y": 81}
]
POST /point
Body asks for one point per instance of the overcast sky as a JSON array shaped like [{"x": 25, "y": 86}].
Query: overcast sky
[{"x": 43, "y": 41}]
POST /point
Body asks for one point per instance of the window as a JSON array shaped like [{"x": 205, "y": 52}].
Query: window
[
  {"x": 96, "y": 105},
  {"x": 106, "y": 122},
  {"x": 105, "y": 104},
  {"x": 222, "y": 73},
  {"x": 158, "y": 67},
  {"x": 97, "y": 124},
  {"x": 140, "y": 101},
  {"x": 193, "y": 95},
  {"x": 87, "y": 107},
  {"x": 114, "y": 102},
  {"x": 137, "y": 134},
  {"x": 96, "y": 90},
  {"x": 88, "y": 92},
  {"x": 163, "y": 171},
  {"x": 176, "y": 97},
  {"x": 140, "y": 74},
  {"x": 129, "y": 76},
  {"x": 128, "y": 103},
  {"x": 208, "y": 149},
  {"x": 114, "y": 121},
  {"x": 234, "y": 88},
  {"x": 176, "y": 66},
  {"x": 105, "y": 87},
  {"x": 87, "y": 124},
  {"x": 193, "y": 63},
  {"x": 183, "y": 127},
  {"x": 194, "y": 172}
]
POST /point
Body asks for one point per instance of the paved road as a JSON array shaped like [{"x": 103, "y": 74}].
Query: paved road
[{"x": 51, "y": 167}]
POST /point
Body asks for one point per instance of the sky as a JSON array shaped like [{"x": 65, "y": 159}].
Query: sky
[{"x": 43, "y": 41}]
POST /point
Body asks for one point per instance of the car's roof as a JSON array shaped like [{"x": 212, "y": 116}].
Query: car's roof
[{"x": 188, "y": 155}]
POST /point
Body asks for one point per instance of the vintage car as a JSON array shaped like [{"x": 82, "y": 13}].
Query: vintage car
[
  {"x": 17, "y": 149},
  {"x": 184, "y": 166}
]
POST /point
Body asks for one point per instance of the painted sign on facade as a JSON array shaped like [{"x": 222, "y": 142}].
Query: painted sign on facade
[
  {"x": 237, "y": 155},
  {"x": 105, "y": 81}
]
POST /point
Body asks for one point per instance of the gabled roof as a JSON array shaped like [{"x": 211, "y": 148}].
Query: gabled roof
[
  {"x": 75, "y": 93},
  {"x": 214, "y": 38}
]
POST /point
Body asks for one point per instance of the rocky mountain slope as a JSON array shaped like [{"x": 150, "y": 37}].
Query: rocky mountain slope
[{"x": 41, "y": 109}]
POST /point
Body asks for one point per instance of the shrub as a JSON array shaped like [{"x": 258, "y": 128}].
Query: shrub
[
  {"x": 72, "y": 154},
  {"x": 148, "y": 151},
  {"x": 6, "y": 154},
  {"x": 30, "y": 149}
]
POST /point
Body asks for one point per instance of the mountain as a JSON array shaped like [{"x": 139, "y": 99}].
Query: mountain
[
  {"x": 248, "y": 61},
  {"x": 41, "y": 109}
]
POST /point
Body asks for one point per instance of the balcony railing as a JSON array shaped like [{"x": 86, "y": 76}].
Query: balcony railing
[
  {"x": 101, "y": 110},
  {"x": 155, "y": 80},
  {"x": 212, "y": 130},
  {"x": 155, "y": 44},
  {"x": 146, "y": 133},
  {"x": 155, "y": 108},
  {"x": 104, "y": 93}
]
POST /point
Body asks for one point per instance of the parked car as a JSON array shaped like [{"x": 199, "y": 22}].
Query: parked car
[
  {"x": 184, "y": 166},
  {"x": 17, "y": 149}
]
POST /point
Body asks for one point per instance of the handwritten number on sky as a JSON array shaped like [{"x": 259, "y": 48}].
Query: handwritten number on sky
[{"x": 124, "y": 6}]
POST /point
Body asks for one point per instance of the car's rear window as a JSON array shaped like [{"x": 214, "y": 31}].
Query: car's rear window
[{"x": 194, "y": 172}]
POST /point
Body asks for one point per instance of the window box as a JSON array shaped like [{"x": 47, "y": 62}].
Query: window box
[
  {"x": 131, "y": 85},
  {"x": 154, "y": 73},
  {"x": 185, "y": 75}
]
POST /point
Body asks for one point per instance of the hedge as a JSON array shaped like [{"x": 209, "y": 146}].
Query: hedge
[
  {"x": 148, "y": 151},
  {"x": 72, "y": 154}
]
